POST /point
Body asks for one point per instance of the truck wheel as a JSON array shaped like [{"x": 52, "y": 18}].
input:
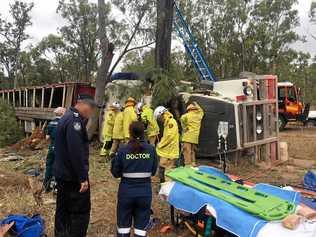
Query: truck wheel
[
  {"x": 310, "y": 123},
  {"x": 282, "y": 123}
]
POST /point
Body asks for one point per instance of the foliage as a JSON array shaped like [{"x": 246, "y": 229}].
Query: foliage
[
  {"x": 80, "y": 33},
  {"x": 234, "y": 35},
  {"x": 242, "y": 35},
  {"x": 10, "y": 132},
  {"x": 12, "y": 36},
  {"x": 143, "y": 62},
  {"x": 165, "y": 87},
  {"x": 313, "y": 11}
]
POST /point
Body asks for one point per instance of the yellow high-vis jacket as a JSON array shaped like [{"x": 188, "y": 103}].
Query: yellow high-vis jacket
[
  {"x": 148, "y": 118},
  {"x": 191, "y": 124},
  {"x": 168, "y": 147},
  {"x": 118, "y": 132},
  {"x": 129, "y": 116},
  {"x": 108, "y": 124}
]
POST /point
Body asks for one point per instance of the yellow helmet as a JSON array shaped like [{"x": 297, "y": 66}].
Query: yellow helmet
[
  {"x": 130, "y": 99},
  {"x": 130, "y": 102},
  {"x": 191, "y": 107}
]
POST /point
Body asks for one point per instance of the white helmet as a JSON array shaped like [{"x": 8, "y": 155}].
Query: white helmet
[
  {"x": 139, "y": 107},
  {"x": 159, "y": 111},
  {"x": 116, "y": 105}
]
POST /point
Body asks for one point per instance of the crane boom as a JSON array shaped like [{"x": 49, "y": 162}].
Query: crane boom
[{"x": 191, "y": 46}]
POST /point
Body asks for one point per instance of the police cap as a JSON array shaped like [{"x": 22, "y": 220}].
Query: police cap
[{"x": 86, "y": 98}]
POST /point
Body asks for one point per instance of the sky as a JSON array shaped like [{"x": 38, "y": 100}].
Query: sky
[{"x": 47, "y": 21}]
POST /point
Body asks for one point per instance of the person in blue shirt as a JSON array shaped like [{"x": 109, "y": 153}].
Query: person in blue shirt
[
  {"x": 71, "y": 170},
  {"x": 134, "y": 164},
  {"x": 51, "y": 134}
]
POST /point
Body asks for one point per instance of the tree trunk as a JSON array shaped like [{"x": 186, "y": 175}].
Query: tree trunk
[
  {"x": 163, "y": 34},
  {"x": 107, "y": 55}
]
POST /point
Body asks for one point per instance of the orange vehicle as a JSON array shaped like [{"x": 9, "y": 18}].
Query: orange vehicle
[{"x": 291, "y": 106}]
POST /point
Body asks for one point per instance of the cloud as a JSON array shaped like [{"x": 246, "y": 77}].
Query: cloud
[{"x": 45, "y": 19}]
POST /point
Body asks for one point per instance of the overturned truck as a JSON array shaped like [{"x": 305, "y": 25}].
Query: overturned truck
[{"x": 240, "y": 115}]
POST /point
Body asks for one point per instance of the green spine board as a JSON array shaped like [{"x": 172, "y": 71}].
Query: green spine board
[{"x": 268, "y": 207}]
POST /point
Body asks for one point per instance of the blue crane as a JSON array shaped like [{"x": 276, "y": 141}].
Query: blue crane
[{"x": 192, "y": 47}]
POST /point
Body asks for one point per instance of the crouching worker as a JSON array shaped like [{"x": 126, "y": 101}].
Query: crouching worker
[
  {"x": 135, "y": 163},
  {"x": 168, "y": 148},
  {"x": 146, "y": 115},
  {"x": 51, "y": 134}
]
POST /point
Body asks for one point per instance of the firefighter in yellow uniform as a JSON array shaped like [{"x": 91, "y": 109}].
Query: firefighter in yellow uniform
[
  {"x": 129, "y": 116},
  {"x": 191, "y": 125},
  {"x": 146, "y": 115},
  {"x": 118, "y": 133},
  {"x": 107, "y": 130},
  {"x": 168, "y": 148}
]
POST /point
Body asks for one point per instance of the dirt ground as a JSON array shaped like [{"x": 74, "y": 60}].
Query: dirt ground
[{"x": 16, "y": 196}]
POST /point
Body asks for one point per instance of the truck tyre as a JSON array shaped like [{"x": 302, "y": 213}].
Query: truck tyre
[{"x": 282, "y": 122}]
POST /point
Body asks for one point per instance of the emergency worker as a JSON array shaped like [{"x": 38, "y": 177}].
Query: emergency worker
[
  {"x": 51, "y": 134},
  {"x": 191, "y": 125},
  {"x": 108, "y": 125},
  {"x": 129, "y": 116},
  {"x": 168, "y": 148},
  {"x": 118, "y": 133},
  {"x": 146, "y": 115},
  {"x": 135, "y": 163},
  {"x": 71, "y": 170}
]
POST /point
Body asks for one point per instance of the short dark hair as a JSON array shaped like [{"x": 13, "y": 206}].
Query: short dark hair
[{"x": 86, "y": 98}]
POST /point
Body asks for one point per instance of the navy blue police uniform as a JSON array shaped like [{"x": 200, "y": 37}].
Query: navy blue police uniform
[
  {"x": 135, "y": 192},
  {"x": 51, "y": 131},
  {"x": 71, "y": 168}
]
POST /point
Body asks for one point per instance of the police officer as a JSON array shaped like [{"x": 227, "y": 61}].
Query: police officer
[
  {"x": 146, "y": 115},
  {"x": 168, "y": 148},
  {"x": 191, "y": 125},
  {"x": 71, "y": 170},
  {"x": 51, "y": 134},
  {"x": 135, "y": 163}
]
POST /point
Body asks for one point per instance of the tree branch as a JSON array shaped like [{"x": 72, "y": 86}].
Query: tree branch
[
  {"x": 140, "y": 47},
  {"x": 126, "y": 50}
]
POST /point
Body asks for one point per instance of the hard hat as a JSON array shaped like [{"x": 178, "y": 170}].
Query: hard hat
[
  {"x": 191, "y": 107},
  {"x": 139, "y": 107},
  {"x": 159, "y": 111},
  {"x": 131, "y": 99},
  {"x": 59, "y": 111},
  {"x": 116, "y": 105}
]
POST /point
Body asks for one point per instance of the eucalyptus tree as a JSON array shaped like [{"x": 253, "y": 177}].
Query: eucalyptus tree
[{"x": 12, "y": 35}]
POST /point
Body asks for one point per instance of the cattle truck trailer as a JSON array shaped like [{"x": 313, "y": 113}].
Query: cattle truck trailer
[{"x": 34, "y": 105}]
